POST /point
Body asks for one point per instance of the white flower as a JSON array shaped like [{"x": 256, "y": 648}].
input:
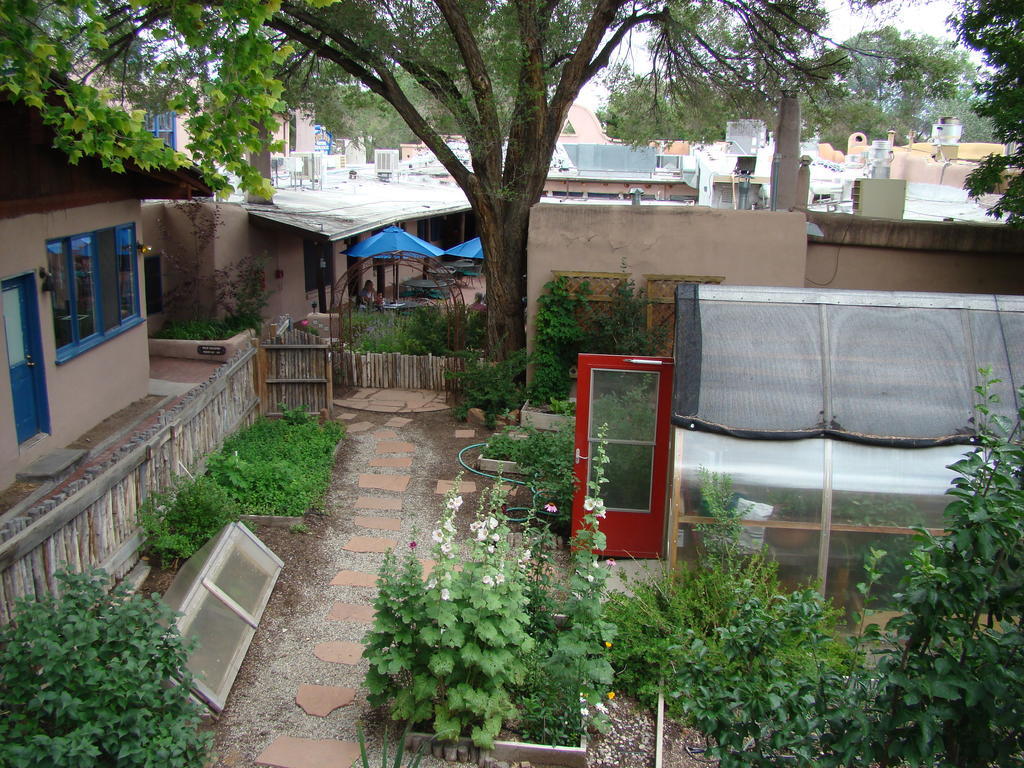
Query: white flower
[
  {"x": 490, "y": 549},
  {"x": 432, "y": 583},
  {"x": 601, "y": 708},
  {"x": 584, "y": 711},
  {"x": 499, "y": 579},
  {"x": 590, "y": 577},
  {"x": 589, "y": 503},
  {"x": 492, "y": 523},
  {"x": 436, "y": 536},
  {"x": 449, "y": 525},
  {"x": 455, "y": 503},
  {"x": 446, "y": 594},
  {"x": 487, "y": 580},
  {"x": 446, "y": 548},
  {"x": 481, "y": 535},
  {"x": 495, "y": 537},
  {"x": 526, "y": 554}
]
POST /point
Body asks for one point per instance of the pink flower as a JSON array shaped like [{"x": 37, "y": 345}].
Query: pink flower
[
  {"x": 611, "y": 562},
  {"x": 550, "y": 508},
  {"x": 412, "y": 545}
]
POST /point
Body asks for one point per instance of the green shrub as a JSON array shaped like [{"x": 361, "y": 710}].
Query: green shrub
[
  {"x": 278, "y": 467},
  {"x": 179, "y": 521},
  {"x": 546, "y": 459},
  {"x": 199, "y": 330},
  {"x": 492, "y": 386},
  {"x": 559, "y": 334},
  {"x": 84, "y": 682}
]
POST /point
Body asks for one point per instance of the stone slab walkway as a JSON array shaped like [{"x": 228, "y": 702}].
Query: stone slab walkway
[
  {"x": 393, "y": 400},
  {"x": 385, "y": 511}
]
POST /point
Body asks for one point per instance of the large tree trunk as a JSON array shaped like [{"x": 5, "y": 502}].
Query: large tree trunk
[{"x": 503, "y": 229}]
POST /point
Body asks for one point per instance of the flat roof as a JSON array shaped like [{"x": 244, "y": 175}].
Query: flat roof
[{"x": 345, "y": 207}]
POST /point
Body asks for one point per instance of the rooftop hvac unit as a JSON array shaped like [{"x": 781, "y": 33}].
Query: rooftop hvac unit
[
  {"x": 385, "y": 161},
  {"x": 313, "y": 168},
  {"x": 745, "y": 137},
  {"x": 670, "y": 162},
  {"x": 879, "y": 198}
]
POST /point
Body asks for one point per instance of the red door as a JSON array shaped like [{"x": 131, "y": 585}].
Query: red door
[{"x": 632, "y": 396}]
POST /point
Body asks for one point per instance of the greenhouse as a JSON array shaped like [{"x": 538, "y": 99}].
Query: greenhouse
[{"x": 835, "y": 414}]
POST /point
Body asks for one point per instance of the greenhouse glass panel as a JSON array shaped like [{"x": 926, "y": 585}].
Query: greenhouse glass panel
[
  {"x": 891, "y": 487},
  {"x": 846, "y": 556},
  {"x": 778, "y": 487},
  {"x": 220, "y": 593}
]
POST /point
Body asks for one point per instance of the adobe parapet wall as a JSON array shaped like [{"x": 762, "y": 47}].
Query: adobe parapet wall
[
  {"x": 881, "y": 254},
  {"x": 844, "y": 229}
]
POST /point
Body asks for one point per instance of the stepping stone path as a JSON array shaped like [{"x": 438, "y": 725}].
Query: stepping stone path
[
  {"x": 321, "y": 700},
  {"x": 358, "y": 561},
  {"x": 288, "y": 752}
]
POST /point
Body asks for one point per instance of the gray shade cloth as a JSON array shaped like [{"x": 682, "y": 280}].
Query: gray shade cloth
[{"x": 878, "y": 367}]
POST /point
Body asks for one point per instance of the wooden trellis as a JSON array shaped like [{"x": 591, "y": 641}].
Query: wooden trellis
[{"x": 661, "y": 293}]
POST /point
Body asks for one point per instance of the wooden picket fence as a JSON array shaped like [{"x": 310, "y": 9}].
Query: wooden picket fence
[
  {"x": 293, "y": 368},
  {"x": 391, "y": 370},
  {"x": 93, "y": 521}
]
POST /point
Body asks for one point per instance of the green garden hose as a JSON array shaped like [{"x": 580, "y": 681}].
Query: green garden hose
[{"x": 491, "y": 476}]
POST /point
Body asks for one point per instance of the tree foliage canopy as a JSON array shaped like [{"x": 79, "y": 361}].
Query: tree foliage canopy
[
  {"x": 880, "y": 80},
  {"x": 996, "y": 29},
  {"x": 501, "y": 74}
]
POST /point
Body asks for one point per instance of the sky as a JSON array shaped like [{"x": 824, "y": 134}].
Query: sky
[{"x": 923, "y": 17}]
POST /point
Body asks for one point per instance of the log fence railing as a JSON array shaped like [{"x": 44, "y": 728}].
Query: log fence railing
[{"x": 93, "y": 520}]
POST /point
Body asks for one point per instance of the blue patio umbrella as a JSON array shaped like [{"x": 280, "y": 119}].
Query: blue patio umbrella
[
  {"x": 390, "y": 242},
  {"x": 471, "y": 249}
]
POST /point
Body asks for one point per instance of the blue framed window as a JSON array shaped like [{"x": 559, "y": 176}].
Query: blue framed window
[
  {"x": 95, "y": 287},
  {"x": 162, "y": 125}
]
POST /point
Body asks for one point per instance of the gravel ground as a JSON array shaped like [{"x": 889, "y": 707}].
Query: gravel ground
[{"x": 262, "y": 705}]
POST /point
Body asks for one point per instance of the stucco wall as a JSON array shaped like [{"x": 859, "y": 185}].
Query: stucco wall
[
  {"x": 882, "y": 269},
  {"x": 97, "y": 383},
  {"x": 743, "y": 247},
  {"x": 878, "y": 254}
]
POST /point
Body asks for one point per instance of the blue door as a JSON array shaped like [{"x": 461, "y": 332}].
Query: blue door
[{"x": 24, "y": 356}]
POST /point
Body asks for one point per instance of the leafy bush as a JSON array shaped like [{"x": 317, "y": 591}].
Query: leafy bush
[
  {"x": 453, "y": 651},
  {"x": 948, "y": 688},
  {"x": 764, "y": 683},
  {"x": 493, "y": 386},
  {"x": 84, "y": 682},
  {"x": 278, "y": 467},
  {"x": 546, "y": 458},
  {"x": 619, "y": 326},
  {"x": 424, "y": 331},
  {"x": 179, "y": 521},
  {"x": 199, "y": 330},
  {"x": 558, "y": 336},
  {"x": 450, "y": 651}
]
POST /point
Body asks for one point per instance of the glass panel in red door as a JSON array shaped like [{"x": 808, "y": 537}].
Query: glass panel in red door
[{"x": 631, "y": 396}]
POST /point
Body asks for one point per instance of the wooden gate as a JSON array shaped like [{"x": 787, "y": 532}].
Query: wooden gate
[{"x": 294, "y": 369}]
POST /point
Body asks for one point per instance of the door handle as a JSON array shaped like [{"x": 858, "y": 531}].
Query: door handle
[
  {"x": 580, "y": 457},
  {"x": 28, "y": 361}
]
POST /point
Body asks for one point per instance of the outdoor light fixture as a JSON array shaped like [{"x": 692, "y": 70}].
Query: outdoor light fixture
[
  {"x": 47, "y": 280},
  {"x": 144, "y": 250}
]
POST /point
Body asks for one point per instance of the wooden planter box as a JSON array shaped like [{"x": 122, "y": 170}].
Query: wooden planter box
[
  {"x": 498, "y": 466},
  {"x": 507, "y": 752},
  {"x": 535, "y": 417}
]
